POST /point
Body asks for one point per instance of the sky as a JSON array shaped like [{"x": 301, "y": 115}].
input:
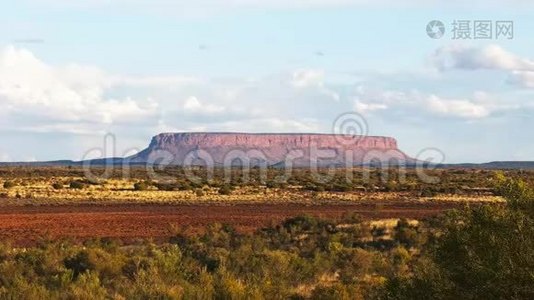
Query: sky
[{"x": 77, "y": 78}]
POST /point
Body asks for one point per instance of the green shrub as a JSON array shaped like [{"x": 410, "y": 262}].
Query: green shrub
[
  {"x": 57, "y": 186},
  {"x": 141, "y": 186},
  {"x": 78, "y": 185},
  {"x": 480, "y": 251},
  {"x": 9, "y": 184},
  {"x": 199, "y": 192},
  {"x": 406, "y": 234},
  {"x": 428, "y": 192},
  {"x": 226, "y": 189},
  {"x": 184, "y": 186},
  {"x": 79, "y": 263},
  {"x": 341, "y": 187}
]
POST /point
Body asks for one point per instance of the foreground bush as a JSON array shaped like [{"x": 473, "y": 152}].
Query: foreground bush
[
  {"x": 296, "y": 259},
  {"x": 483, "y": 252}
]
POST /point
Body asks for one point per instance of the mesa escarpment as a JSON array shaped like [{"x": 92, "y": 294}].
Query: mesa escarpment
[{"x": 270, "y": 149}]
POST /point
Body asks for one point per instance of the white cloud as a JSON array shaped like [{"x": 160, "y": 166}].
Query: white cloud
[
  {"x": 473, "y": 58},
  {"x": 462, "y": 108},
  {"x": 312, "y": 79},
  {"x": 307, "y": 78},
  {"x": 273, "y": 124},
  {"x": 192, "y": 104},
  {"x": 412, "y": 102},
  {"x": 78, "y": 99},
  {"x": 522, "y": 78},
  {"x": 40, "y": 98},
  {"x": 490, "y": 57},
  {"x": 36, "y": 95},
  {"x": 363, "y": 107}
]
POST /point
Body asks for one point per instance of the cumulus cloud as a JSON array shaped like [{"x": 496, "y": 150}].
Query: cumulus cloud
[
  {"x": 36, "y": 95},
  {"x": 480, "y": 105},
  {"x": 40, "y": 98},
  {"x": 490, "y": 57},
  {"x": 192, "y": 104},
  {"x": 462, "y": 108},
  {"x": 363, "y": 107},
  {"x": 522, "y": 78},
  {"x": 307, "y": 78},
  {"x": 79, "y": 99},
  {"x": 311, "y": 78},
  {"x": 473, "y": 58},
  {"x": 274, "y": 124}
]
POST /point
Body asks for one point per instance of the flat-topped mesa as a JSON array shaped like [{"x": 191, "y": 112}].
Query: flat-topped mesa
[
  {"x": 297, "y": 149},
  {"x": 259, "y": 140}
]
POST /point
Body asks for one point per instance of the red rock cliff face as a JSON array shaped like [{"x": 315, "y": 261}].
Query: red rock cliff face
[{"x": 272, "y": 149}]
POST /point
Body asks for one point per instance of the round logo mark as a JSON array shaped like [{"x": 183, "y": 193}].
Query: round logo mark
[
  {"x": 435, "y": 29},
  {"x": 349, "y": 128}
]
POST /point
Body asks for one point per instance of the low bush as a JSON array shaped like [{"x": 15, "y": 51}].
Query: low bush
[
  {"x": 226, "y": 189},
  {"x": 199, "y": 192},
  {"x": 167, "y": 186},
  {"x": 57, "y": 186},
  {"x": 9, "y": 184},
  {"x": 77, "y": 185},
  {"x": 141, "y": 186},
  {"x": 428, "y": 192}
]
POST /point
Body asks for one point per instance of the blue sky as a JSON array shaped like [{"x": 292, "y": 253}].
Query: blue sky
[{"x": 70, "y": 73}]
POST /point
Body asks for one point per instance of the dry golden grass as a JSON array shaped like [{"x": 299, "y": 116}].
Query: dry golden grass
[
  {"x": 390, "y": 223},
  {"x": 40, "y": 191}
]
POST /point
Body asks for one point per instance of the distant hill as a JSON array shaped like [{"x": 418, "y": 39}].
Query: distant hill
[
  {"x": 525, "y": 165},
  {"x": 271, "y": 149}
]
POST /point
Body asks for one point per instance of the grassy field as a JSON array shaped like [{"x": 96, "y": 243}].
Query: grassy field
[{"x": 66, "y": 185}]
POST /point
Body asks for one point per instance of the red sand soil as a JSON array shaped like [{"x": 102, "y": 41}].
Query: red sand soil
[{"x": 26, "y": 225}]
